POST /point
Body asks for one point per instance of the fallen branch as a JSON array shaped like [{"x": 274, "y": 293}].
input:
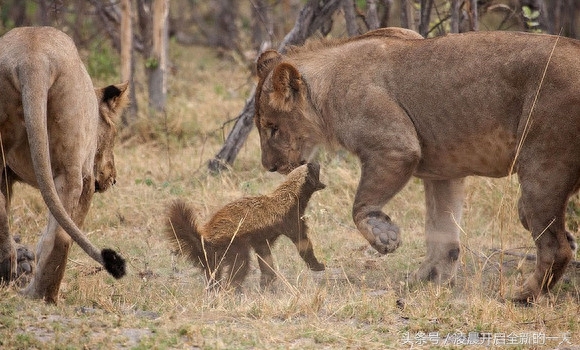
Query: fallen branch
[{"x": 530, "y": 257}]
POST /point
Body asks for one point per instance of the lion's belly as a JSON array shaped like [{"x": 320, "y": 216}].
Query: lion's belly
[{"x": 492, "y": 158}]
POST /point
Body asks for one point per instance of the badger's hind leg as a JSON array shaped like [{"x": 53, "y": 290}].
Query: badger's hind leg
[
  {"x": 237, "y": 263},
  {"x": 266, "y": 263}
]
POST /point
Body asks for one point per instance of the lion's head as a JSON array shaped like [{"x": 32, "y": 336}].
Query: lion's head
[
  {"x": 285, "y": 118},
  {"x": 112, "y": 100}
]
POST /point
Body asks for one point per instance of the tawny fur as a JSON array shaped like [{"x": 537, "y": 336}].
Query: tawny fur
[
  {"x": 57, "y": 135},
  {"x": 221, "y": 247},
  {"x": 480, "y": 103}
]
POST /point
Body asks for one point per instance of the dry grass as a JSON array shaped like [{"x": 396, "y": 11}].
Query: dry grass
[{"x": 362, "y": 302}]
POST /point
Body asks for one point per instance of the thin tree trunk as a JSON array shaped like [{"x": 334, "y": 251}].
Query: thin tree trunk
[
  {"x": 157, "y": 63},
  {"x": 350, "y": 17},
  {"x": 262, "y": 26},
  {"x": 426, "y": 6},
  {"x": 473, "y": 16},
  {"x": 312, "y": 16},
  {"x": 388, "y": 4},
  {"x": 454, "y": 16},
  {"x": 372, "y": 17},
  {"x": 406, "y": 16},
  {"x": 127, "y": 58}
]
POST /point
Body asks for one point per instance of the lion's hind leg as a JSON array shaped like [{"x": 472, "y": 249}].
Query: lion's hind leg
[
  {"x": 7, "y": 249},
  {"x": 54, "y": 245},
  {"x": 542, "y": 210}
]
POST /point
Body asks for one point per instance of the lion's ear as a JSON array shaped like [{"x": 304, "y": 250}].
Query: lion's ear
[
  {"x": 112, "y": 100},
  {"x": 116, "y": 96},
  {"x": 266, "y": 62},
  {"x": 287, "y": 84}
]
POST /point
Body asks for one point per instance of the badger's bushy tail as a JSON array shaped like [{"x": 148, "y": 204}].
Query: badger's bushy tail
[{"x": 182, "y": 231}]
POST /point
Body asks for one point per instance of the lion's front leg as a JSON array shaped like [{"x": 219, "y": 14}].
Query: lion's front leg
[
  {"x": 54, "y": 245},
  {"x": 381, "y": 179},
  {"x": 444, "y": 206}
]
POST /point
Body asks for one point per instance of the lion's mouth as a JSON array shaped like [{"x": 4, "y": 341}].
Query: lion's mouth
[
  {"x": 102, "y": 186},
  {"x": 286, "y": 168}
]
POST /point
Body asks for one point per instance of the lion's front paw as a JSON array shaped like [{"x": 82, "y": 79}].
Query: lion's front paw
[
  {"x": 381, "y": 233},
  {"x": 440, "y": 266}
]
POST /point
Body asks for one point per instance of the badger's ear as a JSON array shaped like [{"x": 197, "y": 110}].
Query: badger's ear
[
  {"x": 267, "y": 60},
  {"x": 287, "y": 85}
]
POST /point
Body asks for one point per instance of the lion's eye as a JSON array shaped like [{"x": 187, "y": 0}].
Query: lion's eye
[{"x": 273, "y": 130}]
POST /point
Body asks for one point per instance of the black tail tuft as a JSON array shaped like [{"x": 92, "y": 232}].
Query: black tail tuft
[{"x": 114, "y": 263}]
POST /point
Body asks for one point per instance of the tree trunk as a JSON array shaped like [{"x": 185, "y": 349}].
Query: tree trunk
[
  {"x": 128, "y": 59},
  {"x": 312, "y": 16},
  {"x": 424, "y": 25},
  {"x": 407, "y": 15},
  {"x": 372, "y": 17},
  {"x": 157, "y": 62},
  {"x": 350, "y": 17},
  {"x": 454, "y": 24},
  {"x": 388, "y": 4},
  {"x": 473, "y": 16},
  {"x": 262, "y": 25},
  {"x": 224, "y": 33}
]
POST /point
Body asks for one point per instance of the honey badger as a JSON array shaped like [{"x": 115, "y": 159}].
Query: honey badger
[{"x": 221, "y": 247}]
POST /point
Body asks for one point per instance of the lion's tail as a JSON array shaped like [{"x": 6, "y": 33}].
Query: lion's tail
[{"x": 183, "y": 232}]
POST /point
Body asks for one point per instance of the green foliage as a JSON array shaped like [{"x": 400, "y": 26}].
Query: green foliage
[
  {"x": 102, "y": 61},
  {"x": 531, "y": 18},
  {"x": 147, "y": 182},
  {"x": 151, "y": 63}
]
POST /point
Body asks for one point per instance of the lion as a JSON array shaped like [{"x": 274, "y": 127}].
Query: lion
[
  {"x": 441, "y": 109},
  {"x": 221, "y": 247},
  {"x": 57, "y": 135}
]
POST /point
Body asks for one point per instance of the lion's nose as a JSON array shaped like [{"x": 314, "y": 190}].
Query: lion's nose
[
  {"x": 114, "y": 182},
  {"x": 273, "y": 169}
]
